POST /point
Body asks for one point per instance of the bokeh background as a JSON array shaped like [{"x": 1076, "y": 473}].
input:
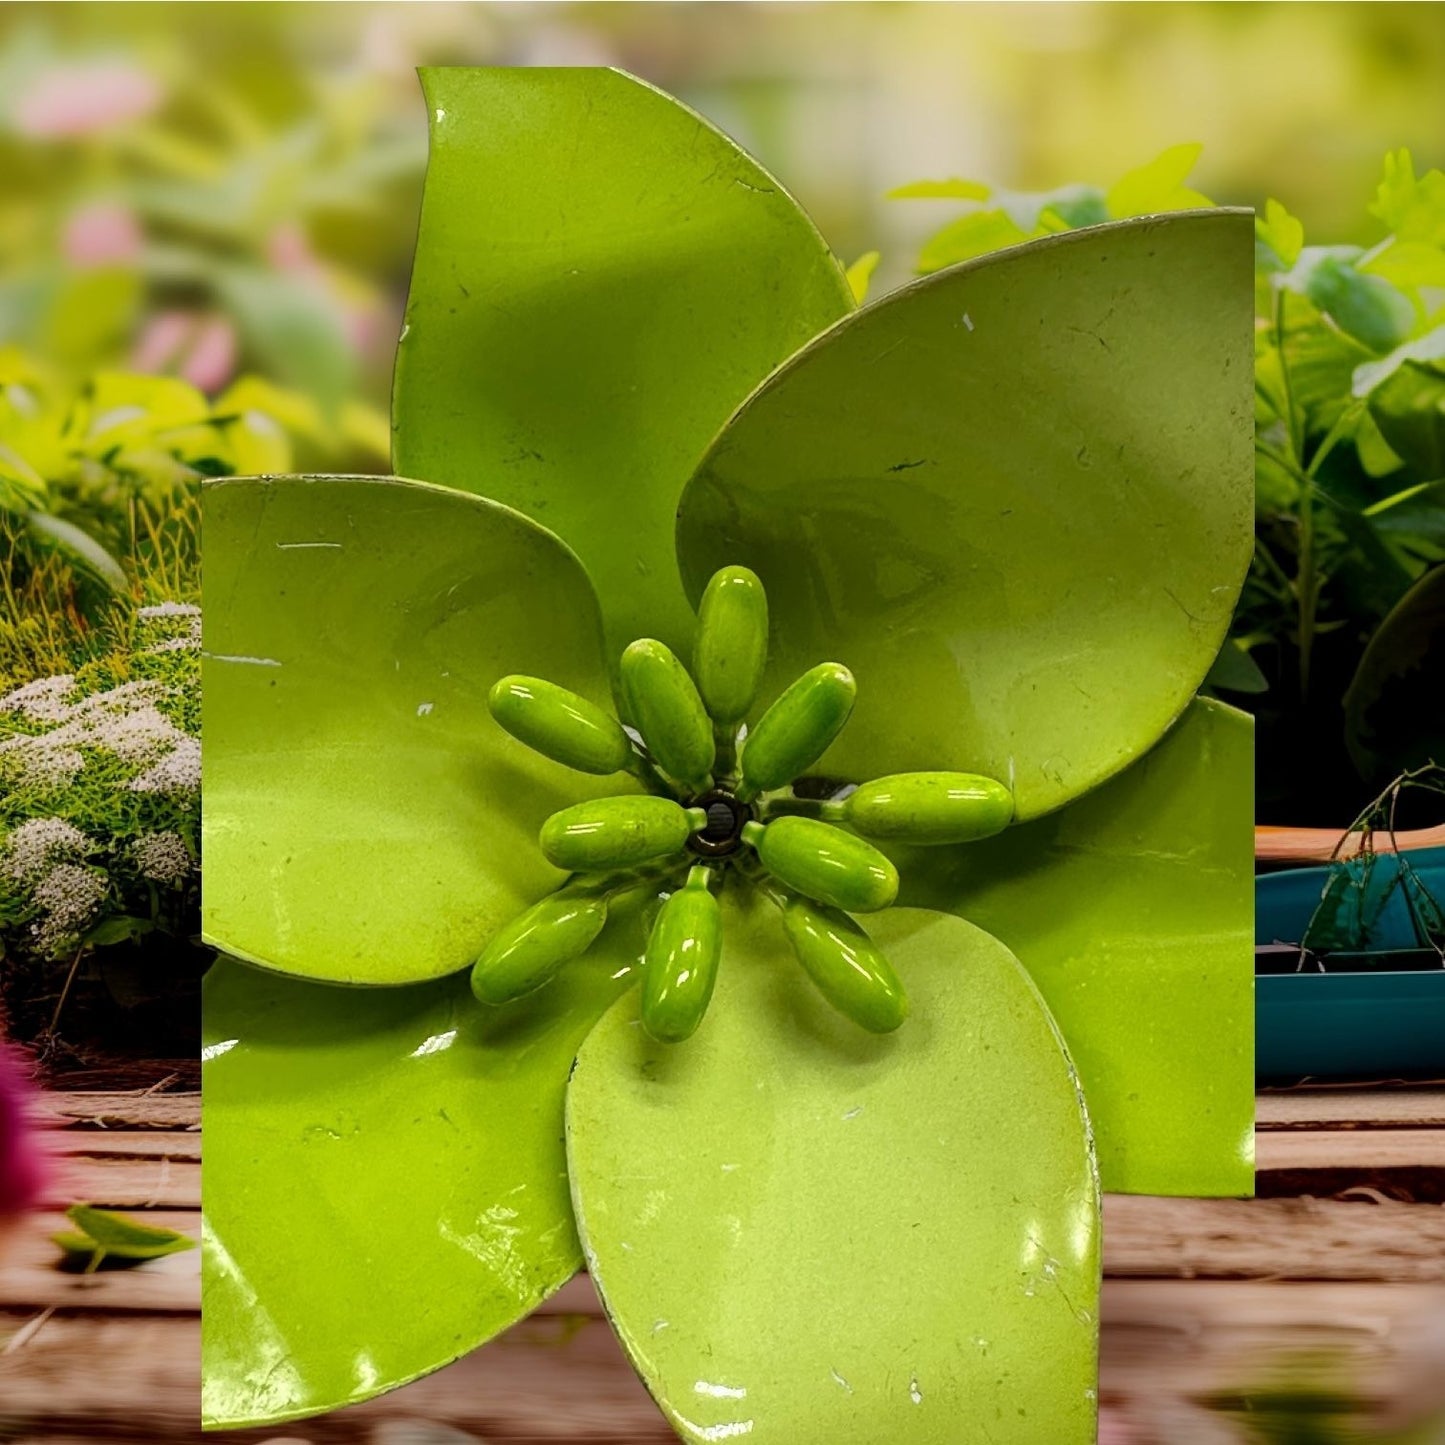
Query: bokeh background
[{"x": 224, "y": 156}]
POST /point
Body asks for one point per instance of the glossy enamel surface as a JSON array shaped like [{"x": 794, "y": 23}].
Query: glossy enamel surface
[
  {"x": 365, "y": 818},
  {"x": 600, "y": 278},
  {"x": 680, "y": 970},
  {"x": 528, "y": 951},
  {"x": 1015, "y": 497},
  {"x": 384, "y": 1176},
  {"x": 1133, "y": 910},
  {"x": 849, "y": 969},
  {"x": 797, "y": 728},
  {"x": 560, "y": 725},
  {"x": 716, "y": 1185},
  {"x": 930, "y": 808},
  {"x": 826, "y": 863},
  {"x": 662, "y": 702},
  {"x": 731, "y": 649},
  {"x": 615, "y": 833}
]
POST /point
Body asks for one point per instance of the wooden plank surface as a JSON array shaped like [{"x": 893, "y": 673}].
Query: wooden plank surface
[
  {"x": 1206, "y": 1300},
  {"x": 1413, "y": 1108}
]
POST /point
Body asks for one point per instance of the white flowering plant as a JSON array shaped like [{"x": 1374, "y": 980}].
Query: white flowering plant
[{"x": 100, "y": 807}]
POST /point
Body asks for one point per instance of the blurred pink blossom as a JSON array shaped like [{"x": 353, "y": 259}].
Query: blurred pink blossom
[
  {"x": 82, "y": 97},
  {"x": 212, "y": 361},
  {"x": 202, "y": 349},
  {"x": 21, "y": 1167},
  {"x": 104, "y": 233},
  {"x": 288, "y": 249}
]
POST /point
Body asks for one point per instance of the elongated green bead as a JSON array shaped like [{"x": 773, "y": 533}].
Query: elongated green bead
[
  {"x": 929, "y": 808},
  {"x": 664, "y": 705},
  {"x": 848, "y": 967},
  {"x": 797, "y": 729},
  {"x": 823, "y": 862},
  {"x": 732, "y": 643},
  {"x": 680, "y": 968},
  {"x": 560, "y": 725},
  {"x": 535, "y": 944},
  {"x": 611, "y": 833}
]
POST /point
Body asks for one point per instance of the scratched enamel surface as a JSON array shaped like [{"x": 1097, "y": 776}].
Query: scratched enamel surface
[
  {"x": 1016, "y": 498},
  {"x": 806, "y": 1232},
  {"x": 601, "y": 277},
  {"x": 1134, "y": 912},
  {"x": 365, "y": 818},
  {"x": 384, "y": 1176}
]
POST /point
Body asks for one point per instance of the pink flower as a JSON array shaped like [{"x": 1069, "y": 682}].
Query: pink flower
[
  {"x": 212, "y": 361},
  {"x": 288, "y": 249},
  {"x": 104, "y": 233},
  {"x": 200, "y": 348},
  {"x": 21, "y": 1168},
  {"x": 82, "y": 97}
]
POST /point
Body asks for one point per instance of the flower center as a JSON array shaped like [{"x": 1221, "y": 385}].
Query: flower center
[{"x": 723, "y": 832}]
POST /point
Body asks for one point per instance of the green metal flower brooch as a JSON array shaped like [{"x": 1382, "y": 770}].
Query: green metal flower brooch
[{"x": 816, "y": 1043}]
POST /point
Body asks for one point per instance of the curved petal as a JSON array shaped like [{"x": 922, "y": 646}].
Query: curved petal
[
  {"x": 1134, "y": 912},
  {"x": 1014, "y": 497},
  {"x": 938, "y": 1185},
  {"x": 365, "y": 820},
  {"x": 600, "y": 278},
  {"x": 384, "y": 1176}
]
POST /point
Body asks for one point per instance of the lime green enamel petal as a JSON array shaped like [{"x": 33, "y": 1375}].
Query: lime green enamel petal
[
  {"x": 1015, "y": 497},
  {"x": 938, "y": 1181},
  {"x": 600, "y": 278},
  {"x": 384, "y": 1175},
  {"x": 365, "y": 819},
  {"x": 1134, "y": 912}
]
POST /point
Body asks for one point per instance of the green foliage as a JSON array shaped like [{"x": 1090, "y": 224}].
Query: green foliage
[
  {"x": 1350, "y": 467},
  {"x": 998, "y": 217},
  {"x": 100, "y": 795}
]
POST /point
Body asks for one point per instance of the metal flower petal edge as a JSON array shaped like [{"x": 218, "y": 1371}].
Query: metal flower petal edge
[{"x": 722, "y": 796}]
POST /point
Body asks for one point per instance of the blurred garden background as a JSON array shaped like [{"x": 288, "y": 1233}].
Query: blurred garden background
[{"x": 206, "y": 221}]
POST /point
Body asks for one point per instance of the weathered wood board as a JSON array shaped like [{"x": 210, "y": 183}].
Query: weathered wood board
[{"x": 1335, "y": 1274}]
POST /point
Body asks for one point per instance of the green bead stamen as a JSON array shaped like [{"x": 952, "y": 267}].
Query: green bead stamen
[{"x": 738, "y": 810}]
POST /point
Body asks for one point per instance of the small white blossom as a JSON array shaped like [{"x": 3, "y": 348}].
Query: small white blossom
[
  {"x": 162, "y": 857},
  {"x": 69, "y": 897},
  {"x": 188, "y": 638},
  {"x": 44, "y": 700},
  {"x": 178, "y": 772},
  {"x": 32, "y": 848},
  {"x": 124, "y": 722},
  {"x": 170, "y": 609}
]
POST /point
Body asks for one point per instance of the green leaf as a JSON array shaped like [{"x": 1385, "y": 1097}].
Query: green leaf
[
  {"x": 1133, "y": 910},
  {"x": 1414, "y": 515},
  {"x": 1016, "y": 499},
  {"x": 102, "y": 1234},
  {"x": 78, "y": 547},
  {"x": 951, "y": 190},
  {"x": 1407, "y": 264},
  {"x": 1413, "y": 208},
  {"x": 118, "y": 930},
  {"x": 1235, "y": 670},
  {"x": 1370, "y": 375},
  {"x": 1393, "y": 719},
  {"x": 719, "y": 1181},
  {"x": 1158, "y": 185},
  {"x": 1366, "y": 306},
  {"x": 384, "y": 1177},
  {"x": 366, "y": 821},
  {"x": 600, "y": 278},
  {"x": 860, "y": 273},
  {"x": 1409, "y": 408},
  {"x": 294, "y": 330},
  {"x": 1283, "y": 233},
  {"x": 972, "y": 235}
]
